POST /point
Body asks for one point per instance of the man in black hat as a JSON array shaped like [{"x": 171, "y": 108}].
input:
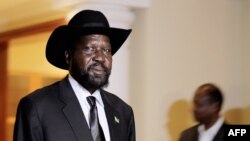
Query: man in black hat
[{"x": 77, "y": 108}]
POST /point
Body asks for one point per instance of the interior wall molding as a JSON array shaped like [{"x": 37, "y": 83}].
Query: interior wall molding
[
  {"x": 3, "y": 88},
  {"x": 29, "y": 30}
]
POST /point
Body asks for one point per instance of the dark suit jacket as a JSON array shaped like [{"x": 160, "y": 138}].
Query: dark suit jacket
[
  {"x": 53, "y": 113},
  {"x": 192, "y": 134}
]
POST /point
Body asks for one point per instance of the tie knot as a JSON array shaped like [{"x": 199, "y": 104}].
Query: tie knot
[{"x": 91, "y": 101}]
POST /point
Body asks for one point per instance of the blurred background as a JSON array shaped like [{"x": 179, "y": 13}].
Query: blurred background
[{"x": 175, "y": 46}]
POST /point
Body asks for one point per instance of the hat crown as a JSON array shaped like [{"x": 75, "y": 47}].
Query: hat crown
[{"x": 89, "y": 18}]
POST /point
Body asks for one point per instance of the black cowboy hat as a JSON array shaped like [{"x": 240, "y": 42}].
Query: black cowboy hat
[{"x": 83, "y": 23}]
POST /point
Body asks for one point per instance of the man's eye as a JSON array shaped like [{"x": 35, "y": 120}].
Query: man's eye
[
  {"x": 88, "y": 49},
  {"x": 107, "y": 50}
]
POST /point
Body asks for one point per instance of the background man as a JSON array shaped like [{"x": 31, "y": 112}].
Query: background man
[{"x": 207, "y": 103}]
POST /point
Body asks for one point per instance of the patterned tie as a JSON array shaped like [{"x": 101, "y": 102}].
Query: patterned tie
[{"x": 95, "y": 128}]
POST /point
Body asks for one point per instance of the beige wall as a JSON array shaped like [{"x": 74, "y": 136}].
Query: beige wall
[
  {"x": 177, "y": 46},
  {"x": 246, "y": 60}
]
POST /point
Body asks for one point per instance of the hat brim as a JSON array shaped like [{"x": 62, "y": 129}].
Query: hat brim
[{"x": 60, "y": 39}]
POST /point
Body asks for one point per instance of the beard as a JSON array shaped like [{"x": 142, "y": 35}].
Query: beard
[{"x": 88, "y": 79}]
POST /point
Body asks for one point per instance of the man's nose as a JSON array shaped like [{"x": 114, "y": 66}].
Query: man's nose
[{"x": 99, "y": 55}]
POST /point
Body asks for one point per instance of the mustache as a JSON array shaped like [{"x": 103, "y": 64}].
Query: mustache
[{"x": 98, "y": 64}]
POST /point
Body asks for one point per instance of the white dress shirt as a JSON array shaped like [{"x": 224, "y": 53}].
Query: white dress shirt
[
  {"x": 82, "y": 94},
  {"x": 209, "y": 134}
]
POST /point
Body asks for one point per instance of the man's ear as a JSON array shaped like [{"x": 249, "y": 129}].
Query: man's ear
[{"x": 67, "y": 55}]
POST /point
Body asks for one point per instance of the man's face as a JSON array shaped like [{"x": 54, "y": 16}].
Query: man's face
[
  {"x": 203, "y": 109},
  {"x": 90, "y": 62}
]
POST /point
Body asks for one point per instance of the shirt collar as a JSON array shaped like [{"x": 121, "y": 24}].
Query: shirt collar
[
  {"x": 79, "y": 89},
  {"x": 213, "y": 129}
]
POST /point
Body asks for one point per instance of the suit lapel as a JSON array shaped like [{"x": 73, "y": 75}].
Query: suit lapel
[
  {"x": 73, "y": 112},
  {"x": 194, "y": 134},
  {"x": 195, "y": 137},
  {"x": 220, "y": 134},
  {"x": 113, "y": 118}
]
